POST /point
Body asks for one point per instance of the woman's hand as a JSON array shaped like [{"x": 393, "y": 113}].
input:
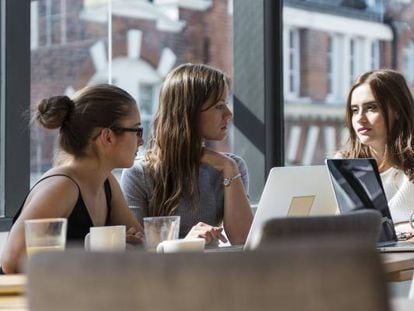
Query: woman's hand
[
  {"x": 220, "y": 162},
  {"x": 209, "y": 233},
  {"x": 238, "y": 216},
  {"x": 133, "y": 236}
]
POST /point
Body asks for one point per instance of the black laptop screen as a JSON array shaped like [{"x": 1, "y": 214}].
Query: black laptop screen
[{"x": 357, "y": 185}]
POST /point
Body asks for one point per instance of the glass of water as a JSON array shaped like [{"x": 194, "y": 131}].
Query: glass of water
[
  {"x": 158, "y": 229},
  {"x": 47, "y": 234}
]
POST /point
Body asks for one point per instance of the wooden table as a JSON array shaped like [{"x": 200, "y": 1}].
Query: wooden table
[
  {"x": 12, "y": 289},
  {"x": 15, "y": 302},
  {"x": 398, "y": 266}
]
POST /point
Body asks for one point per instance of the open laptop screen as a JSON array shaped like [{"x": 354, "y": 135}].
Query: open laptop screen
[
  {"x": 357, "y": 185},
  {"x": 292, "y": 191}
]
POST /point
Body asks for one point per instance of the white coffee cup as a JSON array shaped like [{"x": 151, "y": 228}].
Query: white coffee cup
[
  {"x": 108, "y": 238},
  {"x": 181, "y": 245}
]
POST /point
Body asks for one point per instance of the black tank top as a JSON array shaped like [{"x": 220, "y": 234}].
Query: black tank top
[{"x": 79, "y": 221}]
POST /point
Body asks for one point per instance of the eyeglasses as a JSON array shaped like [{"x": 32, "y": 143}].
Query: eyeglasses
[{"x": 138, "y": 130}]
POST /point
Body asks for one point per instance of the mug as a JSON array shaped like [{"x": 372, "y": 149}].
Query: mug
[
  {"x": 108, "y": 238},
  {"x": 158, "y": 229},
  {"x": 182, "y": 245}
]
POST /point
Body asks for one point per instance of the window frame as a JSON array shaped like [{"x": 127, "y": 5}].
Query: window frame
[
  {"x": 15, "y": 98},
  {"x": 273, "y": 74}
]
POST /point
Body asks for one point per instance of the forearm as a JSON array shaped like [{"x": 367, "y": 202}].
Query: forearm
[
  {"x": 14, "y": 252},
  {"x": 238, "y": 215},
  {"x": 10, "y": 264},
  {"x": 122, "y": 215}
]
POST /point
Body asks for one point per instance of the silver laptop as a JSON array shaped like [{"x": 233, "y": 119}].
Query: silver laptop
[
  {"x": 357, "y": 185},
  {"x": 292, "y": 191}
]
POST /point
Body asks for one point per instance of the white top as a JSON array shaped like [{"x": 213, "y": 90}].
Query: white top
[{"x": 400, "y": 194}]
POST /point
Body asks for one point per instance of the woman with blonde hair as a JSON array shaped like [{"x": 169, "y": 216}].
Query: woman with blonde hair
[
  {"x": 99, "y": 130},
  {"x": 179, "y": 175},
  {"x": 380, "y": 120}
]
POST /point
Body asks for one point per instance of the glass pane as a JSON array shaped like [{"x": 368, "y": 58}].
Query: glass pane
[
  {"x": 338, "y": 41},
  {"x": 68, "y": 51},
  {"x": 69, "y": 40}
]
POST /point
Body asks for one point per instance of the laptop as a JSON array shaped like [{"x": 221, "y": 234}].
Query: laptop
[
  {"x": 292, "y": 191},
  {"x": 357, "y": 185}
]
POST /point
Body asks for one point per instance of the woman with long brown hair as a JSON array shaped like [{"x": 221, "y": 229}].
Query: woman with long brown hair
[
  {"x": 380, "y": 120},
  {"x": 179, "y": 175}
]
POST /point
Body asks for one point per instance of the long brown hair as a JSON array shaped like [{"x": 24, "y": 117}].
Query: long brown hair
[
  {"x": 394, "y": 98},
  {"x": 175, "y": 150}
]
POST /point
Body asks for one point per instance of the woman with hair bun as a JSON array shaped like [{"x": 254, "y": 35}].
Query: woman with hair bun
[{"x": 99, "y": 130}]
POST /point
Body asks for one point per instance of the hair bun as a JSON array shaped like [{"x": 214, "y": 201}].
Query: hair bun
[{"x": 53, "y": 111}]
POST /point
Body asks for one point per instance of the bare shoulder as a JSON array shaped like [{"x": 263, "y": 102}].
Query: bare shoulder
[
  {"x": 53, "y": 196},
  {"x": 61, "y": 187},
  {"x": 56, "y": 182}
]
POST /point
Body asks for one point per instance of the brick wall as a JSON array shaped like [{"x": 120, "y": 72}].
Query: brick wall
[{"x": 313, "y": 58}]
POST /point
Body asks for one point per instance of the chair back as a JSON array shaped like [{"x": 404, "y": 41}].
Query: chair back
[
  {"x": 304, "y": 277},
  {"x": 364, "y": 225}
]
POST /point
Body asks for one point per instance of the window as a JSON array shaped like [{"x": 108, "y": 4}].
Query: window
[
  {"x": 333, "y": 68},
  {"x": 48, "y": 22},
  {"x": 375, "y": 5},
  {"x": 81, "y": 52},
  {"x": 375, "y": 55},
  {"x": 409, "y": 62},
  {"x": 61, "y": 66},
  {"x": 292, "y": 69},
  {"x": 355, "y": 59},
  {"x": 353, "y": 55},
  {"x": 132, "y": 44},
  {"x": 14, "y": 90},
  {"x": 147, "y": 106},
  {"x": 339, "y": 40}
]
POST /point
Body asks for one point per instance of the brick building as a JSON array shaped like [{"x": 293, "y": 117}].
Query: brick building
[
  {"x": 70, "y": 49},
  {"x": 327, "y": 43}
]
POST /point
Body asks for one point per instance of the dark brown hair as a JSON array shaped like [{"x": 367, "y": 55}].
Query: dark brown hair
[
  {"x": 93, "y": 107},
  {"x": 394, "y": 98},
  {"x": 175, "y": 149}
]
